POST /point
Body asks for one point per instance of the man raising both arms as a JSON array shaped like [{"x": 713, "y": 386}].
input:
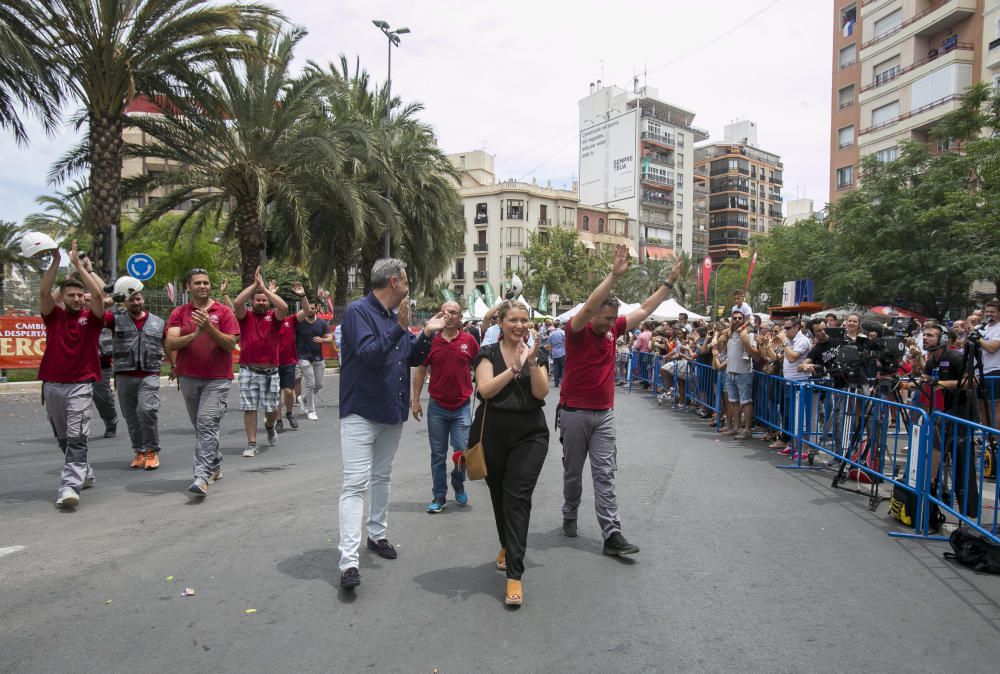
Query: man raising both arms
[
  {"x": 203, "y": 333},
  {"x": 69, "y": 368},
  {"x": 587, "y": 398},
  {"x": 259, "y": 381}
]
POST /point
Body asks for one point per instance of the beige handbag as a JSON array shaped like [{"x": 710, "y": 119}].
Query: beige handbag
[{"x": 475, "y": 457}]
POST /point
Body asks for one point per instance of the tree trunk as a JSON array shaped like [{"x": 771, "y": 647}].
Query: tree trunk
[
  {"x": 343, "y": 253},
  {"x": 3, "y": 272},
  {"x": 105, "y": 188},
  {"x": 250, "y": 237}
]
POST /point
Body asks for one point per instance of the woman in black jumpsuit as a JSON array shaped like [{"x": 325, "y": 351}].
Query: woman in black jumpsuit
[{"x": 512, "y": 390}]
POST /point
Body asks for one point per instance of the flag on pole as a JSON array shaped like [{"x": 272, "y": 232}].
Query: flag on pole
[
  {"x": 706, "y": 266},
  {"x": 753, "y": 261},
  {"x": 543, "y": 302}
]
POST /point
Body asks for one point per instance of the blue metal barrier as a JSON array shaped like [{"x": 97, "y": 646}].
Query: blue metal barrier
[
  {"x": 992, "y": 386},
  {"x": 704, "y": 387},
  {"x": 872, "y": 440},
  {"x": 961, "y": 454},
  {"x": 777, "y": 404}
]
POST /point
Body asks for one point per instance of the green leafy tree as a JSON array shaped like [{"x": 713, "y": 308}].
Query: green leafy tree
[
  {"x": 175, "y": 256},
  {"x": 104, "y": 53},
  {"x": 805, "y": 249},
  {"x": 559, "y": 261},
  {"x": 28, "y": 82},
  {"x": 65, "y": 214},
  {"x": 642, "y": 280}
]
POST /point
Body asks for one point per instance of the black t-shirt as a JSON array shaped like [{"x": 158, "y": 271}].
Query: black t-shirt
[
  {"x": 304, "y": 332},
  {"x": 948, "y": 368},
  {"x": 515, "y": 396}
]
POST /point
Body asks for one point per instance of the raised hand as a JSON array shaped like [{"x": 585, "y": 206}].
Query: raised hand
[
  {"x": 404, "y": 313},
  {"x": 223, "y": 287},
  {"x": 272, "y": 285},
  {"x": 258, "y": 279},
  {"x": 437, "y": 322},
  {"x": 675, "y": 272},
  {"x": 622, "y": 260},
  {"x": 74, "y": 255},
  {"x": 298, "y": 289}
]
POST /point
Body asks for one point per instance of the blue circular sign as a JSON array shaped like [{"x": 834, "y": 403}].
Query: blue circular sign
[{"x": 140, "y": 266}]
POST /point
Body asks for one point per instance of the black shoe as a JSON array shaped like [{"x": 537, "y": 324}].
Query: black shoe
[
  {"x": 617, "y": 545},
  {"x": 350, "y": 578},
  {"x": 110, "y": 430},
  {"x": 279, "y": 426},
  {"x": 382, "y": 548},
  {"x": 569, "y": 528},
  {"x": 292, "y": 422}
]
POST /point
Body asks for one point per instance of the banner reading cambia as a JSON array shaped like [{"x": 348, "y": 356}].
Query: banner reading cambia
[{"x": 22, "y": 342}]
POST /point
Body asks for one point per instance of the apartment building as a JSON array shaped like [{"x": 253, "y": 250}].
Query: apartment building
[
  {"x": 991, "y": 39},
  {"x": 898, "y": 67},
  {"x": 500, "y": 216},
  {"x": 744, "y": 189},
  {"x": 637, "y": 154}
]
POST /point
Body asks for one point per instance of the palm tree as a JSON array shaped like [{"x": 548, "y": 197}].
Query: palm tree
[
  {"x": 253, "y": 153},
  {"x": 642, "y": 280},
  {"x": 10, "y": 254},
  {"x": 27, "y": 82},
  {"x": 66, "y": 214},
  {"x": 105, "y": 53}
]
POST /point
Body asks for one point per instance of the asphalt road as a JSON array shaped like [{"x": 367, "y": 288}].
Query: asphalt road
[{"x": 743, "y": 567}]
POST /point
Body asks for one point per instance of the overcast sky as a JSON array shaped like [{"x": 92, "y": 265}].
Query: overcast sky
[{"x": 506, "y": 77}]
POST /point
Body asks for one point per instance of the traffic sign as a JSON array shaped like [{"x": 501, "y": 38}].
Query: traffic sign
[{"x": 140, "y": 266}]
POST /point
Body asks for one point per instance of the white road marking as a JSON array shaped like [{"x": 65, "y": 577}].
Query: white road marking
[{"x": 13, "y": 548}]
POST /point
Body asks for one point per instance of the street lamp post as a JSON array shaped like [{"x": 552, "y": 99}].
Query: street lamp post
[{"x": 393, "y": 37}]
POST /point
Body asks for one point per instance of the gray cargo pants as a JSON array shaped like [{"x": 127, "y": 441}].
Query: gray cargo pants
[
  {"x": 139, "y": 398},
  {"x": 68, "y": 407},
  {"x": 104, "y": 399},
  {"x": 590, "y": 433},
  {"x": 205, "y": 400}
]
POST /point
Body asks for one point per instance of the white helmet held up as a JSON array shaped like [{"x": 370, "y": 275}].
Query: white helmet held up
[
  {"x": 33, "y": 243},
  {"x": 516, "y": 286},
  {"x": 125, "y": 287}
]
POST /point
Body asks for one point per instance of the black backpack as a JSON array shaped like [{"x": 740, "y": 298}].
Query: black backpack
[{"x": 974, "y": 550}]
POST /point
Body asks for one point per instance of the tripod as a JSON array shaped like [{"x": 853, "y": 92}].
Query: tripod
[{"x": 872, "y": 452}]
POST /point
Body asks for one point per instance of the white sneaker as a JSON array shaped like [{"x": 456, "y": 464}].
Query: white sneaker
[
  {"x": 312, "y": 416},
  {"x": 67, "y": 498},
  {"x": 251, "y": 450}
]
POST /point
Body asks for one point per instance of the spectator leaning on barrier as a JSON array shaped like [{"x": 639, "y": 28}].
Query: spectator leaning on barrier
[
  {"x": 794, "y": 346},
  {"x": 990, "y": 330}
]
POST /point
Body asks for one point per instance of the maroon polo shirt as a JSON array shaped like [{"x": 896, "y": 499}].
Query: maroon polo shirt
[
  {"x": 451, "y": 369},
  {"x": 589, "y": 378}
]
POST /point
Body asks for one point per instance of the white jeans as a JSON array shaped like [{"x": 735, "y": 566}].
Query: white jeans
[
  {"x": 312, "y": 381},
  {"x": 367, "y": 449}
]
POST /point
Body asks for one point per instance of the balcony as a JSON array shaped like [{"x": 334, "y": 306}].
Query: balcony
[
  {"x": 657, "y": 179},
  {"x": 894, "y": 73},
  {"x": 544, "y": 222},
  {"x": 480, "y": 248},
  {"x": 568, "y": 223},
  {"x": 845, "y": 104},
  {"x": 458, "y": 276},
  {"x": 659, "y": 139},
  {"x": 651, "y": 198},
  {"x": 912, "y": 113},
  {"x": 482, "y": 222},
  {"x": 939, "y": 15},
  {"x": 777, "y": 180},
  {"x": 479, "y": 275}
]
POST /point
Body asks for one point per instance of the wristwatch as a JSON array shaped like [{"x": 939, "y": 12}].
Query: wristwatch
[{"x": 668, "y": 284}]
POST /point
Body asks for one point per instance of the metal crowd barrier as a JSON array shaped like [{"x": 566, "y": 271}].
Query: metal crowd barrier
[
  {"x": 704, "y": 388},
  {"x": 777, "y": 404}
]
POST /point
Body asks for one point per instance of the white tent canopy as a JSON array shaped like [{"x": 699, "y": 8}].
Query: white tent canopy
[
  {"x": 622, "y": 310},
  {"x": 670, "y": 310},
  {"x": 479, "y": 309}
]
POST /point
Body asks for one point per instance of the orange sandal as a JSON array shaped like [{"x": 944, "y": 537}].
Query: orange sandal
[
  {"x": 515, "y": 594},
  {"x": 502, "y": 560}
]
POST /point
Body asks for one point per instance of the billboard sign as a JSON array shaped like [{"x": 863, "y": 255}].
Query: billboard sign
[{"x": 608, "y": 160}]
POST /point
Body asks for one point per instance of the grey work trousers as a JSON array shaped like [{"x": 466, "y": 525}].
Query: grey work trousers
[
  {"x": 590, "y": 433},
  {"x": 68, "y": 408},
  {"x": 104, "y": 399},
  {"x": 205, "y": 400},
  {"x": 139, "y": 398},
  {"x": 312, "y": 382}
]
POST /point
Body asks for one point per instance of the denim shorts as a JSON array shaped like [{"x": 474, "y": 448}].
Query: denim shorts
[{"x": 739, "y": 387}]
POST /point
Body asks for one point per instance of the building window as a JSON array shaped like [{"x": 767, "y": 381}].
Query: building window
[
  {"x": 845, "y": 177},
  {"x": 515, "y": 237},
  {"x": 680, "y": 161},
  {"x": 940, "y": 84},
  {"x": 996, "y": 82},
  {"x": 680, "y": 139},
  {"x": 586, "y": 223},
  {"x": 514, "y": 263},
  {"x": 600, "y": 225},
  {"x": 845, "y": 97},
  {"x": 481, "y": 217},
  {"x": 848, "y": 20},
  {"x": 888, "y": 23},
  {"x": 459, "y": 291},
  {"x": 515, "y": 209},
  {"x": 848, "y": 56},
  {"x": 680, "y": 180},
  {"x": 845, "y": 137},
  {"x": 888, "y": 154},
  {"x": 461, "y": 162},
  {"x": 886, "y": 70},
  {"x": 885, "y": 115}
]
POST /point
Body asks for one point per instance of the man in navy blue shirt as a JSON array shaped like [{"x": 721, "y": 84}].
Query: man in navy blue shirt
[{"x": 378, "y": 352}]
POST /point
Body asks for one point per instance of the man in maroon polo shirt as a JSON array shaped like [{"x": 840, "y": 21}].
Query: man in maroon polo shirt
[
  {"x": 203, "y": 334},
  {"x": 448, "y": 413},
  {"x": 587, "y": 398},
  {"x": 259, "y": 379},
  {"x": 69, "y": 368},
  {"x": 288, "y": 360}
]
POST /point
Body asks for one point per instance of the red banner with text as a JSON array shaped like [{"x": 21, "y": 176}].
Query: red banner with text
[{"x": 22, "y": 342}]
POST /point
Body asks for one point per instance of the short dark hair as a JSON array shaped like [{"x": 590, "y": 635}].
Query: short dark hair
[
  {"x": 993, "y": 303},
  {"x": 833, "y": 316},
  {"x": 610, "y": 301},
  {"x": 816, "y": 321},
  {"x": 72, "y": 282},
  {"x": 197, "y": 271}
]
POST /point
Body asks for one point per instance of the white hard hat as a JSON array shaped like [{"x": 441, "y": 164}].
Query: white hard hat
[
  {"x": 516, "y": 286},
  {"x": 125, "y": 286},
  {"x": 33, "y": 243}
]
